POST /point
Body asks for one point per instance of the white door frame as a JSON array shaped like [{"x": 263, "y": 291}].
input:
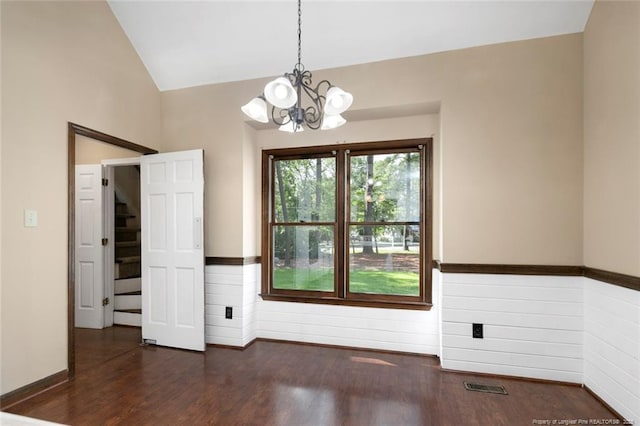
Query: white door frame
[{"x": 109, "y": 248}]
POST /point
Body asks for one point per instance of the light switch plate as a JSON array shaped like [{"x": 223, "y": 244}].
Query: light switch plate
[{"x": 30, "y": 218}]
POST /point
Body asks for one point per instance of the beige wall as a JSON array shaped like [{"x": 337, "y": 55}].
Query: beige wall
[
  {"x": 612, "y": 137},
  {"x": 209, "y": 117},
  {"x": 511, "y": 136},
  {"x": 92, "y": 151},
  {"x": 61, "y": 61},
  {"x": 251, "y": 190},
  {"x": 512, "y": 145}
]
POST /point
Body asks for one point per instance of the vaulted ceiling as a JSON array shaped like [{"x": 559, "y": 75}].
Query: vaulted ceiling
[{"x": 191, "y": 43}]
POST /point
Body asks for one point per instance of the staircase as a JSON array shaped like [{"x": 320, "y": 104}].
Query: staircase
[{"x": 127, "y": 285}]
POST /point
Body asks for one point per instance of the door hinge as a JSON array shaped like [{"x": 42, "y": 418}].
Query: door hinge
[
  {"x": 105, "y": 182},
  {"x": 105, "y": 301},
  {"x": 105, "y": 241}
]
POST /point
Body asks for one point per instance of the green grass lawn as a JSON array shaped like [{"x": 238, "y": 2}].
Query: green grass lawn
[
  {"x": 385, "y": 282},
  {"x": 374, "y": 282}
]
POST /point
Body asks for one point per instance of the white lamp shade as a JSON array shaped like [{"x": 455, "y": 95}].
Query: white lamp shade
[
  {"x": 332, "y": 121},
  {"x": 338, "y": 101},
  {"x": 280, "y": 92},
  {"x": 256, "y": 109}
]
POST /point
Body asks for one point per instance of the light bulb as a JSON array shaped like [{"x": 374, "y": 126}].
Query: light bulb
[{"x": 337, "y": 102}]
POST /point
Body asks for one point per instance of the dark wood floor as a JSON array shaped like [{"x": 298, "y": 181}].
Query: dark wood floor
[{"x": 120, "y": 382}]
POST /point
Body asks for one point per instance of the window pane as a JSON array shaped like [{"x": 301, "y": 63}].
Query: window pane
[
  {"x": 384, "y": 260},
  {"x": 305, "y": 190},
  {"x": 303, "y": 258},
  {"x": 385, "y": 187}
]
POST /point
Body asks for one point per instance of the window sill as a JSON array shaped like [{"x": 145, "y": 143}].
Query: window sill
[{"x": 418, "y": 306}]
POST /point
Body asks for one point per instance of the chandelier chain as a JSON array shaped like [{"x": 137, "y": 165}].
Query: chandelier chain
[{"x": 299, "y": 34}]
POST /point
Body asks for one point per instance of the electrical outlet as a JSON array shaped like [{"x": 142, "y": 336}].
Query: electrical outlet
[
  {"x": 477, "y": 331},
  {"x": 228, "y": 312}
]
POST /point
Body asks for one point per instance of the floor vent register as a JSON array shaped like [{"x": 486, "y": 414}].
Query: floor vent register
[{"x": 477, "y": 387}]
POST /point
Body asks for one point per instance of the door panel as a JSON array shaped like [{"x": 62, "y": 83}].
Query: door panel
[
  {"x": 89, "y": 267},
  {"x": 86, "y": 285},
  {"x": 172, "y": 195}
]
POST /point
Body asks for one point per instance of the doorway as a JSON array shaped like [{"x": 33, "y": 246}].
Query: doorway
[
  {"x": 76, "y": 131},
  {"x": 172, "y": 248},
  {"x": 124, "y": 211},
  {"x": 122, "y": 255}
]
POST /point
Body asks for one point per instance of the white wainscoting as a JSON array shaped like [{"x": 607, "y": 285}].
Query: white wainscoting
[
  {"x": 224, "y": 286},
  {"x": 533, "y": 325},
  {"x": 251, "y": 278},
  {"x": 569, "y": 329},
  {"x": 374, "y": 328},
  {"x": 235, "y": 286},
  {"x": 612, "y": 346}
]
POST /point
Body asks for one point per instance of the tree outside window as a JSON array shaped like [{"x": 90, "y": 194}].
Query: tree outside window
[{"x": 348, "y": 224}]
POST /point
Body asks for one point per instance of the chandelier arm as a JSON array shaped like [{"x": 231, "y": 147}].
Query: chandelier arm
[
  {"x": 327, "y": 82},
  {"x": 313, "y": 119},
  {"x": 314, "y": 113},
  {"x": 311, "y": 93},
  {"x": 305, "y": 76},
  {"x": 292, "y": 77},
  {"x": 282, "y": 116},
  {"x": 317, "y": 99}
]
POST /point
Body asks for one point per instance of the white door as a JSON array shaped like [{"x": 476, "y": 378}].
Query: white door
[
  {"x": 89, "y": 312},
  {"x": 172, "y": 196}
]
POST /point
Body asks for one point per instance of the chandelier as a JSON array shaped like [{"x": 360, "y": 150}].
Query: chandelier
[{"x": 284, "y": 97}]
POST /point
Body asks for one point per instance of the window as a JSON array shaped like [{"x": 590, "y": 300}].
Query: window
[{"x": 348, "y": 224}]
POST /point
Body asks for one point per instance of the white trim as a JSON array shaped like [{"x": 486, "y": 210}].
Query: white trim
[
  {"x": 438, "y": 139},
  {"x": 108, "y": 224},
  {"x": 131, "y": 161}
]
